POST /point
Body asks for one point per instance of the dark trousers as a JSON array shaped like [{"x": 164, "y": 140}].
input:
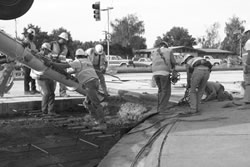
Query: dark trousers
[
  {"x": 62, "y": 89},
  {"x": 95, "y": 106},
  {"x": 28, "y": 80},
  {"x": 48, "y": 95},
  {"x": 164, "y": 91},
  {"x": 102, "y": 81}
]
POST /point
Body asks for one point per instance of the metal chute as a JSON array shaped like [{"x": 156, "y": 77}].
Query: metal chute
[{"x": 15, "y": 50}]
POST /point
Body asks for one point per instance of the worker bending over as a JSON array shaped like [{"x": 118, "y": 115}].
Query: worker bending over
[
  {"x": 215, "y": 90},
  {"x": 88, "y": 79},
  {"x": 198, "y": 73}
]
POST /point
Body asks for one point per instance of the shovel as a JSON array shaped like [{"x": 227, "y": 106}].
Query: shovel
[{"x": 122, "y": 80}]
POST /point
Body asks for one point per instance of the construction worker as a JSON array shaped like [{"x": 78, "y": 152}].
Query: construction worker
[
  {"x": 198, "y": 73},
  {"x": 29, "y": 43},
  {"x": 87, "y": 77},
  {"x": 163, "y": 62},
  {"x": 59, "y": 52},
  {"x": 98, "y": 58},
  {"x": 47, "y": 85},
  {"x": 215, "y": 90},
  {"x": 246, "y": 70}
]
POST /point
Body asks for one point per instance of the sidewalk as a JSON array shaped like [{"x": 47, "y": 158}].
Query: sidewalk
[{"x": 219, "y": 137}]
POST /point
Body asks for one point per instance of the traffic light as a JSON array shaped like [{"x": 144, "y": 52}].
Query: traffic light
[{"x": 97, "y": 11}]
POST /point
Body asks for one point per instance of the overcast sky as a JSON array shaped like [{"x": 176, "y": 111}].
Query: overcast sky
[{"x": 159, "y": 16}]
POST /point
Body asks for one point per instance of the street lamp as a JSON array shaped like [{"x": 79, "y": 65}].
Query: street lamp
[{"x": 108, "y": 34}]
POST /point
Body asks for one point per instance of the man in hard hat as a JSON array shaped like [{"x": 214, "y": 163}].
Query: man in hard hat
[
  {"x": 46, "y": 84},
  {"x": 87, "y": 77},
  {"x": 198, "y": 73},
  {"x": 59, "y": 52},
  {"x": 215, "y": 90},
  {"x": 246, "y": 71},
  {"x": 100, "y": 63},
  {"x": 163, "y": 62},
  {"x": 28, "y": 42}
]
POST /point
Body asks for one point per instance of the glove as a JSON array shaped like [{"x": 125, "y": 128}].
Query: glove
[
  {"x": 103, "y": 70},
  {"x": 175, "y": 77},
  {"x": 25, "y": 44}
]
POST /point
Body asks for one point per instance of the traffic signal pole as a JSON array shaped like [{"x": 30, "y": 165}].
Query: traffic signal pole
[{"x": 97, "y": 16}]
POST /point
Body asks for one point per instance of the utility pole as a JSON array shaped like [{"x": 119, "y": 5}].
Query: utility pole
[
  {"x": 107, "y": 33},
  {"x": 239, "y": 35}
]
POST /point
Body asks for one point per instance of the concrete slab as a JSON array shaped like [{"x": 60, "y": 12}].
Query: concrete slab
[{"x": 206, "y": 151}]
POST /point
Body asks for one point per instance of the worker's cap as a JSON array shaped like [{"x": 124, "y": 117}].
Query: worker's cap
[
  {"x": 64, "y": 35},
  {"x": 164, "y": 43},
  {"x": 80, "y": 52},
  {"x": 31, "y": 31},
  {"x": 186, "y": 57},
  {"x": 46, "y": 45}
]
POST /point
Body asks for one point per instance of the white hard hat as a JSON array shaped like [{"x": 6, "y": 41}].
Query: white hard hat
[
  {"x": 186, "y": 57},
  {"x": 89, "y": 51},
  {"x": 164, "y": 43},
  {"x": 99, "y": 49},
  {"x": 64, "y": 35},
  {"x": 46, "y": 45},
  {"x": 31, "y": 31},
  {"x": 247, "y": 28},
  {"x": 80, "y": 52}
]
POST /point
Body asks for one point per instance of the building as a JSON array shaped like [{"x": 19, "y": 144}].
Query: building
[
  {"x": 216, "y": 53},
  {"x": 180, "y": 51}
]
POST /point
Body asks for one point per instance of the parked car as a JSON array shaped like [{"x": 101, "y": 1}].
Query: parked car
[
  {"x": 212, "y": 60},
  {"x": 117, "y": 61},
  {"x": 143, "y": 62}
]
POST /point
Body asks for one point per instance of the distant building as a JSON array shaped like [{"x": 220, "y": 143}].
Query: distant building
[
  {"x": 216, "y": 53},
  {"x": 180, "y": 51}
]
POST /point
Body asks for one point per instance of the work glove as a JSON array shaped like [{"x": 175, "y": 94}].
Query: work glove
[
  {"x": 175, "y": 77},
  {"x": 103, "y": 69}
]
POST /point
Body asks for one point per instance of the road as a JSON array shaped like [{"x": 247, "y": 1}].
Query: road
[
  {"x": 230, "y": 79},
  {"x": 141, "y": 82}
]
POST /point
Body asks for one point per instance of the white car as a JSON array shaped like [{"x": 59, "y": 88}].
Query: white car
[
  {"x": 117, "y": 61},
  {"x": 143, "y": 62},
  {"x": 212, "y": 60}
]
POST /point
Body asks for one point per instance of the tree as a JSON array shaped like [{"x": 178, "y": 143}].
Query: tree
[
  {"x": 233, "y": 29},
  {"x": 211, "y": 40},
  {"x": 41, "y": 36},
  {"x": 127, "y": 32},
  {"x": 177, "y": 36}
]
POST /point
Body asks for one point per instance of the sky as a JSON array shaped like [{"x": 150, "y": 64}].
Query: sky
[{"x": 159, "y": 16}]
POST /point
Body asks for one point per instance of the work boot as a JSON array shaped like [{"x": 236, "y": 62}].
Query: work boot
[
  {"x": 27, "y": 92},
  {"x": 64, "y": 95},
  {"x": 35, "y": 92},
  {"x": 190, "y": 112},
  {"x": 99, "y": 126}
]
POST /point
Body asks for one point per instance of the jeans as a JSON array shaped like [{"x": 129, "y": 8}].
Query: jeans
[
  {"x": 198, "y": 84},
  {"x": 164, "y": 91},
  {"x": 48, "y": 95},
  {"x": 62, "y": 89},
  {"x": 102, "y": 81},
  {"x": 28, "y": 80},
  {"x": 247, "y": 88},
  {"x": 95, "y": 106}
]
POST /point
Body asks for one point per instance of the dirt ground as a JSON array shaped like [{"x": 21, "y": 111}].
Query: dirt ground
[{"x": 30, "y": 139}]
